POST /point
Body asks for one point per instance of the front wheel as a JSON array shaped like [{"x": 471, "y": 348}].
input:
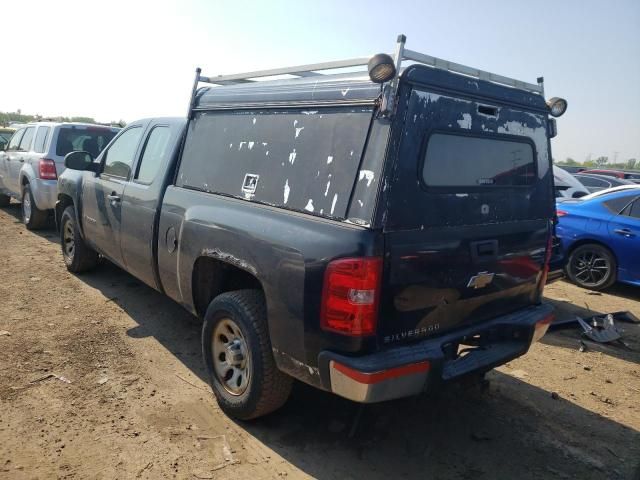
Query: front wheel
[
  {"x": 238, "y": 357},
  {"x": 77, "y": 255},
  {"x": 592, "y": 266},
  {"x": 32, "y": 216}
]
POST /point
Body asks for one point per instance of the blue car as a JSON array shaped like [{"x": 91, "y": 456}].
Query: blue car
[{"x": 600, "y": 236}]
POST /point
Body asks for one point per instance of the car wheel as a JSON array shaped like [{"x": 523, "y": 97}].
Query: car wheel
[
  {"x": 592, "y": 266},
  {"x": 5, "y": 200},
  {"x": 77, "y": 255},
  {"x": 238, "y": 357},
  {"x": 32, "y": 216}
]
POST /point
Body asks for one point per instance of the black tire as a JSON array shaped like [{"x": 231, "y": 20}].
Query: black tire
[
  {"x": 77, "y": 255},
  {"x": 267, "y": 387},
  {"x": 592, "y": 266},
  {"x": 5, "y": 200},
  {"x": 32, "y": 216}
]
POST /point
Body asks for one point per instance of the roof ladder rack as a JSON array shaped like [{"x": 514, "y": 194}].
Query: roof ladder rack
[{"x": 401, "y": 54}]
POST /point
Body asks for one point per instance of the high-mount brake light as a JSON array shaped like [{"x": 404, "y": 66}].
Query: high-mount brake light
[{"x": 351, "y": 296}]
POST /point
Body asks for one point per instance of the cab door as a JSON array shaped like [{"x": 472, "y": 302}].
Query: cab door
[
  {"x": 142, "y": 196},
  {"x": 18, "y": 159},
  {"x": 6, "y": 158},
  {"x": 102, "y": 196}
]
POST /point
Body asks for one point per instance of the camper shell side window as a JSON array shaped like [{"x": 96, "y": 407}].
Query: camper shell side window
[{"x": 300, "y": 159}]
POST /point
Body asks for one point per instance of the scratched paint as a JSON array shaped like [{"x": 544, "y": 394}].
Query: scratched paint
[
  {"x": 309, "y": 206},
  {"x": 368, "y": 175},
  {"x": 287, "y": 190}
]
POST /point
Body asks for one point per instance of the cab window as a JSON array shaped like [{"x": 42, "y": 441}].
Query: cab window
[
  {"x": 15, "y": 140},
  {"x": 25, "y": 143},
  {"x": 121, "y": 154},
  {"x": 155, "y": 151}
]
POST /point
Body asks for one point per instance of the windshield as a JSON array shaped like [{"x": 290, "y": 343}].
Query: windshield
[{"x": 88, "y": 139}]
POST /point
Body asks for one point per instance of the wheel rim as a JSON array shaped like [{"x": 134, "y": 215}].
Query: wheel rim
[
  {"x": 69, "y": 244},
  {"x": 231, "y": 358},
  {"x": 590, "y": 268},
  {"x": 26, "y": 208}
]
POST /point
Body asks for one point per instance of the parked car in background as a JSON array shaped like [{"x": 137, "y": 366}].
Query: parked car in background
[
  {"x": 288, "y": 220},
  {"x": 33, "y": 159},
  {"x": 600, "y": 235},
  {"x": 572, "y": 168},
  {"x": 5, "y": 135},
  {"x": 634, "y": 176},
  {"x": 595, "y": 183},
  {"x": 566, "y": 185}
]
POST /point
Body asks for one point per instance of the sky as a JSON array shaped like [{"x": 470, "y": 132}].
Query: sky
[{"x": 133, "y": 59}]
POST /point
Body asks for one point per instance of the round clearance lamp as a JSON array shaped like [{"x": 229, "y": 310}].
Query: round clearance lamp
[
  {"x": 557, "y": 106},
  {"x": 381, "y": 68}
]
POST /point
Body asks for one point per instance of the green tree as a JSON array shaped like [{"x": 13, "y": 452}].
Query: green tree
[
  {"x": 601, "y": 161},
  {"x": 570, "y": 162}
]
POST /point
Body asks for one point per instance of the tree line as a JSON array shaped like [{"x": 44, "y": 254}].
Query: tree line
[
  {"x": 601, "y": 162},
  {"x": 7, "y": 118}
]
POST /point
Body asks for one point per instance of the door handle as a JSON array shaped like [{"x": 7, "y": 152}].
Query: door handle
[
  {"x": 624, "y": 231},
  {"x": 114, "y": 197}
]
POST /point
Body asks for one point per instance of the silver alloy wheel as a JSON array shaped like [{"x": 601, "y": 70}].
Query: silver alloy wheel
[
  {"x": 26, "y": 208},
  {"x": 231, "y": 357},
  {"x": 69, "y": 240},
  {"x": 590, "y": 268}
]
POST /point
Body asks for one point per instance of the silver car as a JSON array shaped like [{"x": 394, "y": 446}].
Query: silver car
[{"x": 33, "y": 159}]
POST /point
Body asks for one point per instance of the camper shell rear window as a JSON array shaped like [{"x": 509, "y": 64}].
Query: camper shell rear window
[{"x": 463, "y": 160}]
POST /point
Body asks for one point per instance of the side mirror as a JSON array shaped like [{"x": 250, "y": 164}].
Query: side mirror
[{"x": 80, "y": 160}]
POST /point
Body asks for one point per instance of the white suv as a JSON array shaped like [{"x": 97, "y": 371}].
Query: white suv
[{"x": 33, "y": 159}]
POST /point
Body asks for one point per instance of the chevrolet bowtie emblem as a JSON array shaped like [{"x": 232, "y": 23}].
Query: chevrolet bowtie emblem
[{"x": 481, "y": 280}]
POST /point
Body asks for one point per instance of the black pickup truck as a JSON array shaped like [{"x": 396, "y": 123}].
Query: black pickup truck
[{"x": 373, "y": 235}]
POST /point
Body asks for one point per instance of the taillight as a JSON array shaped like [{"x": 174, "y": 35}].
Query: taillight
[
  {"x": 47, "y": 169},
  {"x": 351, "y": 295},
  {"x": 561, "y": 213}
]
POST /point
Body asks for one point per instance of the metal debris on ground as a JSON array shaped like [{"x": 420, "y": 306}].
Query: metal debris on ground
[
  {"x": 51, "y": 375},
  {"x": 600, "y": 329}
]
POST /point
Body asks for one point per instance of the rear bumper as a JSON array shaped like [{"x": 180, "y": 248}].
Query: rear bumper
[
  {"x": 411, "y": 369},
  {"x": 45, "y": 193}
]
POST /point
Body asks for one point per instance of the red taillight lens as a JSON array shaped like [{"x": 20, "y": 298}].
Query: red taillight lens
[
  {"x": 561, "y": 213},
  {"x": 47, "y": 169},
  {"x": 351, "y": 295}
]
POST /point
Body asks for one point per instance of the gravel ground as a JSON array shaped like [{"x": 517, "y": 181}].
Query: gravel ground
[{"x": 101, "y": 377}]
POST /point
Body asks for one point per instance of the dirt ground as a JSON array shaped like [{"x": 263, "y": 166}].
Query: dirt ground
[{"x": 101, "y": 377}]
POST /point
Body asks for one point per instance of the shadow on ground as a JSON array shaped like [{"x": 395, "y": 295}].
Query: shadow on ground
[{"x": 512, "y": 430}]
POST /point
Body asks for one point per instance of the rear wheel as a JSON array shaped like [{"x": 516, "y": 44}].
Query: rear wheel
[
  {"x": 77, "y": 255},
  {"x": 32, "y": 216},
  {"x": 592, "y": 266},
  {"x": 238, "y": 357},
  {"x": 4, "y": 200}
]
